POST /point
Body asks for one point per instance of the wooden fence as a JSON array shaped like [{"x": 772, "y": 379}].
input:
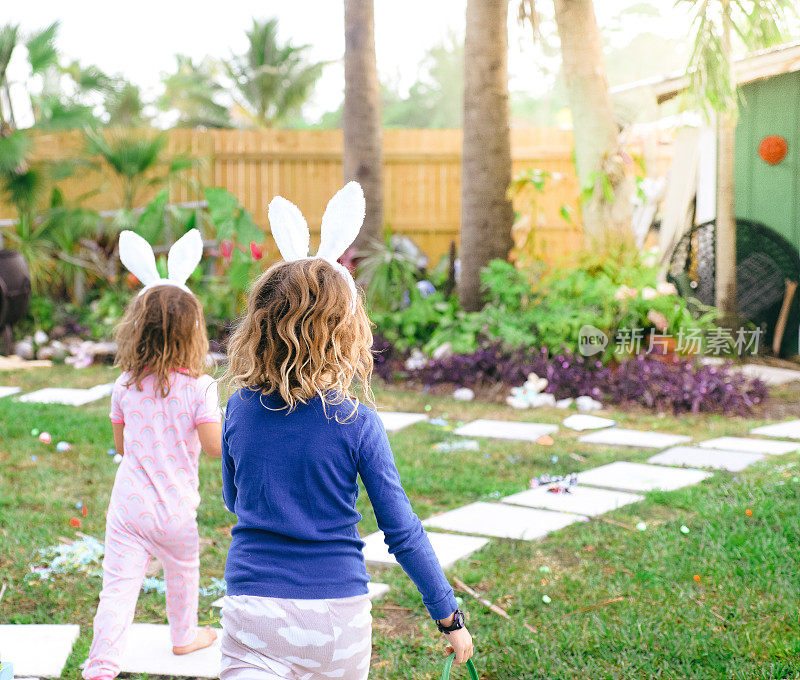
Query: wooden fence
[{"x": 421, "y": 177}]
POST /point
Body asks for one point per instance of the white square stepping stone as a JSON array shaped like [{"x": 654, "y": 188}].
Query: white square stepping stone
[
  {"x": 641, "y": 477},
  {"x": 769, "y": 447},
  {"x": 506, "y": 429},
  {"x": 502, "y": 521},
  {"x": 149, "y": 650},
  {"x": 581, "y": 421},
  {"x": 68, "y": 395},
  {"x": 8, "y": 391},
  {"x": 791, "y": 429},
  {"x": 396, "y": 420},
  {"x": 706, "y": 458},
  {"x": 39, "y": 650},
  {"x": 449, "y": 548},
  {"x": 619, "y": 436},
  {"x": 375, "y": 591},
  {"x": 583, "y": 500}
]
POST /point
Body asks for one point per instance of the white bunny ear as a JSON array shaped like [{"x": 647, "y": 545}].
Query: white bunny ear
[
  {"x": 289, "y": 229},
  {"x": 137, "y": 256},
  {"x": 184, "y": 256},
  {"x": 342, "y": 221}
]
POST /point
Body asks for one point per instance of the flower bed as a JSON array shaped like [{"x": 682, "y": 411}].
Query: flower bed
[{"x": 679, "y": 385}]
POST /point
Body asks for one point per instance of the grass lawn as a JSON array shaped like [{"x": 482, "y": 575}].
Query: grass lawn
[{"x": 741, "y": 619}]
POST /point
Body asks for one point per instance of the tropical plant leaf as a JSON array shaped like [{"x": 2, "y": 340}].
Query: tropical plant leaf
[{"x": 42, "y": 53}]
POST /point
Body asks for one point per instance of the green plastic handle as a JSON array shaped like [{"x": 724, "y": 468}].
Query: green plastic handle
[{"x": 448, "y": 664}]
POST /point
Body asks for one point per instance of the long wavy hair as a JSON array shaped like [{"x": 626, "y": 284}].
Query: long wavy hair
[
  {"x": 301, "y": 338},
  {"x": 163, "y": 331}
]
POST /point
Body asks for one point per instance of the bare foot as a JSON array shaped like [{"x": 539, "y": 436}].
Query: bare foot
[{"x": 205, "y": 638}]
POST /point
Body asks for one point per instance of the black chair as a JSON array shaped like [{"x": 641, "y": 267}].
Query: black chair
[{"x": 765, "y": 260}]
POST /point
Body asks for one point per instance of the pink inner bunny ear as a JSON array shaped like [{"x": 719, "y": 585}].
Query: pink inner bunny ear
[{"x": 342, "y": 221}]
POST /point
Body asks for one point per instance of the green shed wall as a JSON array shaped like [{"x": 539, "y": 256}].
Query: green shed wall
[
  {"x": 770, "y": 194},
  {"x": 766, "y": 193}
]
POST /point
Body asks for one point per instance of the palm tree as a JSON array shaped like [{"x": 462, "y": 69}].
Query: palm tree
[
  {"x": 138, "y": 162},
  {"x": 191, "y": 91},
  {"x": 271, "y": 80},
  {"x": 713, "y": 85},
  {"x": 361, "y": 116},
  {"x": 606, "y": 186},
  {"x": 9, "y": 35},
  {"x": 486, "y": 212}
]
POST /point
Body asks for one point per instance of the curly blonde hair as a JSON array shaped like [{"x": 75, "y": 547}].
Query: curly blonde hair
[
  {"x": 163, "y": 331},
  {"x": 301, "y": 338}
]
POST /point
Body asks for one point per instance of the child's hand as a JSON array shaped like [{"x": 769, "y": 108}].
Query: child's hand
[{"x": 460, "y": 642}]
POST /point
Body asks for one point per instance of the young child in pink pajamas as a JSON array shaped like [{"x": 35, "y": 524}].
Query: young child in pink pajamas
[{"x": 164, "y": 409}]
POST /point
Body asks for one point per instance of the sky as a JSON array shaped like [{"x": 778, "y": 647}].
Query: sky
[{"x": 139, "y": 39}]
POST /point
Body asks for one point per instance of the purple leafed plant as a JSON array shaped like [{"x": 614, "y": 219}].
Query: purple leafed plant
[
  {"x": 679, "y": 385},
  {"x": 684, "y": 386},
  {"x": 387, "y": 362}
]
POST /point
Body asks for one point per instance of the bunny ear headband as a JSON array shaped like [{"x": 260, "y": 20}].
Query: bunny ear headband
[
  {"x": 184, "y": 256},
  {"x": 341, "y": 223}
]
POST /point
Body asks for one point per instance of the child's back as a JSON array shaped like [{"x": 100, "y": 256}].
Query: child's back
[
  {"x": 157, "y": 480},
  {"x": 297, "y": 479}
]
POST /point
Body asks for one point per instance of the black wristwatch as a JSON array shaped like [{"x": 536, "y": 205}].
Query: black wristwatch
[{"x": 458, "y": 623}]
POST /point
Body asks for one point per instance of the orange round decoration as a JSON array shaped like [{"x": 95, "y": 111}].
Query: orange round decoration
[{"x": 773, "y": 149}]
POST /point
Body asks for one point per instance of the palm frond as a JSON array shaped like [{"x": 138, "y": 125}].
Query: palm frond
[
  {"x": 271, "y": 80},
  {"x": 14, "y": 150},
  {"x": 42, "y": 52},
  {"x": 9, "y": 35}
]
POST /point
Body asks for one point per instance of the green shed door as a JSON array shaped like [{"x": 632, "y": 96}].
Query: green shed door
[{"x": 766, "y": 193}]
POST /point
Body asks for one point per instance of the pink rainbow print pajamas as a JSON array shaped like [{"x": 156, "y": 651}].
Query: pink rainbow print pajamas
[{"x": 153, "y": 511}]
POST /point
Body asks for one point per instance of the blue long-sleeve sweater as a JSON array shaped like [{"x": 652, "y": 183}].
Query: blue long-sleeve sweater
[{"x": 291, "y": 480}]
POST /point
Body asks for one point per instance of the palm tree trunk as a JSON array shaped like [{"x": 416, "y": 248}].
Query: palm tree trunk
[
  {"x": 486, "y": 212},
  {"x": 594, "y": 126},
  {"x": 361, "y": 116},
  {"x": 725, "y": 264}
]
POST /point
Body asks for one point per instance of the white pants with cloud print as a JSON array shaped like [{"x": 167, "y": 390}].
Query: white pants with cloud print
[{"x": 268, "y": 638}]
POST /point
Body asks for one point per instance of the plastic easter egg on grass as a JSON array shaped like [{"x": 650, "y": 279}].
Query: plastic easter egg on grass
[
  {"x": 75, "y": 522},
  {"x": 45, "y": 438},
  {"x": 117, "y": 458},
  {"x": 63, "y": 447},
  {"x": 35, "y": 432}
]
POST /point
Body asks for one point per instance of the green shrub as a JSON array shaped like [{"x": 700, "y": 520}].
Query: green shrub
[{"x": 609, "y": 293}]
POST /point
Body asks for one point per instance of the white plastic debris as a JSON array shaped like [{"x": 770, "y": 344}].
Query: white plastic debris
[
  {"x": 457, "y": 445},
  {"x": 464, "y": 394},
  {"x": 443, "y": 351},
  {"x": 586, "y": 404},
  {"x": 416, "y": 361},
  {"x": 531, "y": 394}
]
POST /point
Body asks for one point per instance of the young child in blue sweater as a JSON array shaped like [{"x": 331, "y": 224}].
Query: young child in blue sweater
[{"x": 294, "y": 442}]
